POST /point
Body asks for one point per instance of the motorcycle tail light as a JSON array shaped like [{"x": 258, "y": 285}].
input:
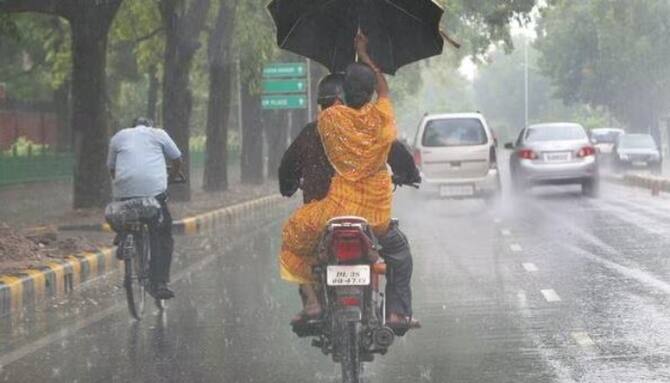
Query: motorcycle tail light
[
  {"x": 349, "y": 301},
  {"x": 348, "y": 245},
  {"x": 586, "y": 152},
  {"x": 527, "y": 154}
]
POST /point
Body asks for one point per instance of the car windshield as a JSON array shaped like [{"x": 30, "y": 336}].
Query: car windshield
[
  {"x": 555, "y": 133},
  {"x": 605, "y": 136},
  {"x": 454, "y": 132},
  {"x": 637, "y": 141}
]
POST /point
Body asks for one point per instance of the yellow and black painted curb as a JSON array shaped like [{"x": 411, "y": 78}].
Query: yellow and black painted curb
[
  {"x": 55, "y": 278},
  {"x": 189, "y": 225},
  {"x": 58, "y": 277},
  {"x": 654, "y": 183}
]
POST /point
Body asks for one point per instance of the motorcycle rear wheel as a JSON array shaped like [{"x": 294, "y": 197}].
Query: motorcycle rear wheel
[{"x": 350, "y": 352}]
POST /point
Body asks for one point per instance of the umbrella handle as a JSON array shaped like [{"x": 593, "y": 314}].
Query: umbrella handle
[{"x": 450, "y": 40}]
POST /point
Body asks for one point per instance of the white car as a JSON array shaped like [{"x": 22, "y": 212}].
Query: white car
[{"x": 457, "y": 154}]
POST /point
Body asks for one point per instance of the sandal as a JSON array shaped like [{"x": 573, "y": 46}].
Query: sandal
[{"x": 307, "y": 314}]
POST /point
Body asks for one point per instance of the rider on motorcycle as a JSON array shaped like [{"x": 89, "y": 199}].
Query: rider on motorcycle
[
  {"x": 306, "y": 164},
  {"x": 136, "y": 161}
]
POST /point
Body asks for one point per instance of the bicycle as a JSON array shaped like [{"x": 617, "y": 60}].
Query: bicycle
[{"x": 132, "y": 219}]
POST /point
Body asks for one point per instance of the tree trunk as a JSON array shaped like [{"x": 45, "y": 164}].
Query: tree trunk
[
  {"x": 182, "y": 30},
  {"x": 216, "y": 161},
  {"x": 89, "y": 123},
  {"x": 276, "y": 124},
  {"x": 152, "y": 93},
  {"x": 252, "y": 137},
  {"x": 215, "y": 176},
  {"x": 61, "y": 103}
]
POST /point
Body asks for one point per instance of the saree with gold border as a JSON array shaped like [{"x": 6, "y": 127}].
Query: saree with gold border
[{"x": 357, "y": 143}]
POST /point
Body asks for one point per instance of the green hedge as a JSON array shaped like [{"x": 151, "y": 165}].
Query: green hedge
[
  {"x": 60, "y": 166},
  {"x": 44, "y": 167}
]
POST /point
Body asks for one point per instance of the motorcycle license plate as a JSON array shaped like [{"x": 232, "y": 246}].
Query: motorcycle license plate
[{"x": 358, "y": 275}]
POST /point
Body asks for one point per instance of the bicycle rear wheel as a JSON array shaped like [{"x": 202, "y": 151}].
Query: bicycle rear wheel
[{"x": 136, "y": 276}]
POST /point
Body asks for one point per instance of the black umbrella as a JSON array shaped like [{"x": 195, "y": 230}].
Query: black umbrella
[{"x": 399, "y": 31}]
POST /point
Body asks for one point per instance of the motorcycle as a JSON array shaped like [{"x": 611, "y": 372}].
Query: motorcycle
[{"x": 351, "y": 273}]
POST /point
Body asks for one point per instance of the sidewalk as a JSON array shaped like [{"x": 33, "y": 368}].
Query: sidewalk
[
  {"x": 47, "y": 205},
  {"x": 50, "y": 203}
]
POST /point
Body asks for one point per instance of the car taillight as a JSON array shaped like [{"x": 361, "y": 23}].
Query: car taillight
[
  {"x": 348, "y": 245},
  {"x": 349, "y": 301},
  {"x": 493, "y": 158},
  {"x": 527, "y": 154},
  {"x": 586, "y": 151},
  {"x": 417, "y": 157}
]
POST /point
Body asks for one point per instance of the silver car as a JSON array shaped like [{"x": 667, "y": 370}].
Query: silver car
[
  {"x": 637, "y": 151},
  {"x": 554, "y": 154}
]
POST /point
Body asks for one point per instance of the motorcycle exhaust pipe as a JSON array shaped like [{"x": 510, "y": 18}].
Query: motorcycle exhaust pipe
[{"x": 383, "y": 337}]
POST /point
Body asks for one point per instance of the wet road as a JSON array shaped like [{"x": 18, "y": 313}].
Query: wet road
[{"x": 549, "y": 288}]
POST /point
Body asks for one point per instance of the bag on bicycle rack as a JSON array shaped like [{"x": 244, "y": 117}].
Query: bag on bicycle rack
[{"x": 145, "y": 209}]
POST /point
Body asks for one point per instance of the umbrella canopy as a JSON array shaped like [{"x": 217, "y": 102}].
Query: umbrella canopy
[{"x": 399, "y": 31}]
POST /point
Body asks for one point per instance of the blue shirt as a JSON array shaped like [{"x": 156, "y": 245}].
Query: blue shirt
[{"x": 137, "y": 157}]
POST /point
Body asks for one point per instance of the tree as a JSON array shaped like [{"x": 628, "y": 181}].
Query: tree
[
  {"x": 183, "y": 22},
  {"x": 255, "y": 45},
  {"x": 220, "y": 72},
  {"x": 610, "y": 53},
  {"x": 136, "y": 47},
  {"x": 89, "y": 25}
]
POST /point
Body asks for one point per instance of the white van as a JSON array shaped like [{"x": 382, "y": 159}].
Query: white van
[{"x": 457, "y": 153}]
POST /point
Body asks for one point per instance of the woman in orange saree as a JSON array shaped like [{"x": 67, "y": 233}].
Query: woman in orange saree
[{"x": 357, "y": 138}]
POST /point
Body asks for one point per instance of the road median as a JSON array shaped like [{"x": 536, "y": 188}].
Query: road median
[
  {"x": 56, "y": 278},
  {"x": 655, "y": 184}
]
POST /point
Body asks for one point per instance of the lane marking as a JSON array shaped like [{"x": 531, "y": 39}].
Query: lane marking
[
  {"x": 583, "y": 339},
  {"x": 550, "y": 295},
  {"x": 506, "y": 232},
  {"x": 78, "y": 325},
  {"x": 515, "y": 247},
  {"x": 523, "y": 300},
  {"x": 530, "y": 267},
  {"x": 643, "y": 277}
]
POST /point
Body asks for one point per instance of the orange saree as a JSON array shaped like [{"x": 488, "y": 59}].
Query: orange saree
[{"x": 357, "y": 143}]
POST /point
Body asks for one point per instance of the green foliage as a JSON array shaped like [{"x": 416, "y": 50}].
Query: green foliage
[
  {"x": 254, "y": 40},
  {"x": 138, "y": 26},
  {"x": 610, "y": 53},
  {"x": 499, "y": 91},
  {"x": 34, "y": 55},
  {"x": 479, "y": 23},
  {"x": 24, "y": 147}
]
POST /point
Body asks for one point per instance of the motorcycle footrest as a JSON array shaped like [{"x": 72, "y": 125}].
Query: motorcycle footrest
[{"x": 309, "y": 328}]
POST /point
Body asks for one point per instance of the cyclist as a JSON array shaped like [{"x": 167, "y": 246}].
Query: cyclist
[{"x": 137, "y": 164}]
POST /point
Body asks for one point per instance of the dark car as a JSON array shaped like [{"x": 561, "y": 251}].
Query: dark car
[{"x": 637, "y": 151}]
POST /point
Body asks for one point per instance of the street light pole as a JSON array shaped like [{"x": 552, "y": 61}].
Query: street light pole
[{"x": 525, "y": 79}]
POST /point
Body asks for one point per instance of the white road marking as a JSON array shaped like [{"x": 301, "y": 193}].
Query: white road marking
[
  {"x": 530, "y": 267},
  {"x": 583, "y": 339},
  {"x": 550, "y": 295},
  {"x": 506, "y": 232},
  {"x": 521, "y": 297},
  {"x": 515, "y": 247},
  {"x": 641, "y": 276},
  {"x": 78, "y": 325}
]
